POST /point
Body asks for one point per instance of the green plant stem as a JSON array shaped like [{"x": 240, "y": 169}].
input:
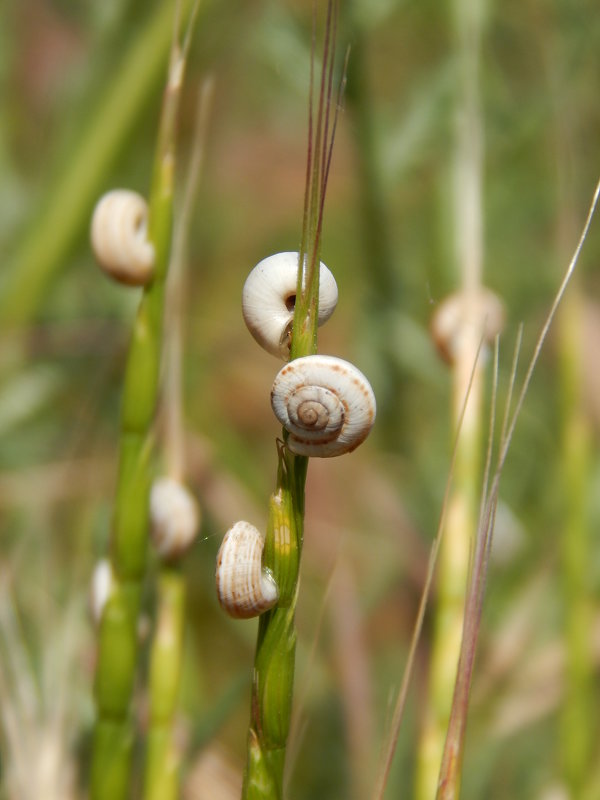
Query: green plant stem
[
  {"x": 271, "y": 706},
  {"x": 69, "y": 202},
  {"x": 576, "y": 732},
  {"x": 118, "y": 639},
  {"x": 163, "y": 754},
  {"x": 461, "y": 521},
  {"x": 273, "y": 680},
  {"x": 453, "y": 570},
  {"x": 162, "y": 757}
]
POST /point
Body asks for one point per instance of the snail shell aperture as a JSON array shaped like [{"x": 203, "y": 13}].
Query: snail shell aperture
[
  {"x": 174, "y": 517},
  {"x": 244, "y": 588},
  {"x": 325, "y": 403},
  {"x": 119, "y": 237},
  {"x": 269, "y": 296}
]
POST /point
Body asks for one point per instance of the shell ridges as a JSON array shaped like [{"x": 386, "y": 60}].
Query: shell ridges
[
  {"x": 347, "y": 404},
  {"x": 244, "y": 588}
]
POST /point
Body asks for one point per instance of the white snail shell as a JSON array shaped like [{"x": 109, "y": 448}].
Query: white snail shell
[
  {"x": 119, "y": 237},
  {"x": 325, "y": 403},
  {"x": 462, "y": 314},
  {"x": 100, "y": 588},
  {"x": 174, "y": 517},
  {"x": 268, "y": 300},
  {"x": 244, "y": 588}
]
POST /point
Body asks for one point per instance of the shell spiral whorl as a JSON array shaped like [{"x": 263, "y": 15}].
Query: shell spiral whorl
[
  {"x": 119, "y": 237},
  {"x": 269, "y": 296},
  {"x": 325, "y": 403},
  {"x": 244, "y": 588}
]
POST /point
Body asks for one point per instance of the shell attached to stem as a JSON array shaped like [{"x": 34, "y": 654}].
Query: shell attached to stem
[
  {"x": 325, "y": 403},
  {"x": 245, "y": 589},
  {"x": 119, "y": 237},
  {"x": 269, "y": 296},
  {"x": 463, "y": 315},
  {"x": 174, "y": 517}
]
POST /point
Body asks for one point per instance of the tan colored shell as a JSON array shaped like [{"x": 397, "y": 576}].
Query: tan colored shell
[
  {"x": 244, "y": 588},
  {"x": 325, "y": 403},
  {"x": 268, "y": 300},
  {"x": 174, "y": 517},
  {"x": 463, "y": 314},
  {"x": 119, "y": 237},
  {"x": 100, "y": 588}
]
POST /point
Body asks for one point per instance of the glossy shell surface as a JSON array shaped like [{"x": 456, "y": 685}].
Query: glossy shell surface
[
  {"x": 174, "y": 517},
  {"x": 244, "y": 588},
  {"x": 268, "y": 300},
  {"x": 119, "y": 237},
  {"x": 325, "y": 403}
]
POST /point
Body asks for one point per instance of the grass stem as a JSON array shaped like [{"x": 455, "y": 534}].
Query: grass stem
[{"x": 118, "y": 636}]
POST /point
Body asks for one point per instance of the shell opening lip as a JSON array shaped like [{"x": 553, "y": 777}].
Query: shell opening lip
[{"x": 269, "y": 300}]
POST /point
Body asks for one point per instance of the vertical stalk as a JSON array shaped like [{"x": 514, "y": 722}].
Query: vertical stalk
[
  {"x": 461, "y": 520},
  {"x": 274, "y": 661},
  {"x": 576, "y": 730},
  {"x": 118, "y": 639},
  {"x": 272, "y": 687},
  {"x": 163, "y": 754}
]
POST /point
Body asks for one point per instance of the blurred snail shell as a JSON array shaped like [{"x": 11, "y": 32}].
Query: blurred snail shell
[
  {"x": 119, "y": 237},
  {"x": 100, "y": 588},
  {"x": 244, "y": 588},
  {"x": 325, "y": 403},
  {"x": 269, "y": 296},
  {"x": 479, "y": 313},
  {"x": 174, "y": 517}
]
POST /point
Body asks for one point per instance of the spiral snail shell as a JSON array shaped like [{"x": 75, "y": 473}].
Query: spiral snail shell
[
  {"x": 325, "y": 403},
  {"x": 479, "y": 313},
  {"x": 119, "y": 237},
  {"x": 244, "y": 588},
  {"x": 174, "y": 517},
  {"x": 269, "y": 296}
]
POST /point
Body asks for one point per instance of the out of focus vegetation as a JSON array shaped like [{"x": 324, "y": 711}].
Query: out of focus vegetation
[{"x": 371, "y": 516}]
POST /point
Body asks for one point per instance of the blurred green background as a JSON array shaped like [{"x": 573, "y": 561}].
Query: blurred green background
[{"x": 80, "y": 85}]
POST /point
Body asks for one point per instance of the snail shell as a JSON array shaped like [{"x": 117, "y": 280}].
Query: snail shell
[
  {"x": 174, "y": 517},
  {"x": 464, "y": 315},
  {"x": 269, "y": 296},
  {"x": 100, "y": 588},
  {"x": 119, "y": 237},
  {"x": 325, "y": 403},
  {"x": 244, "y": 588}
]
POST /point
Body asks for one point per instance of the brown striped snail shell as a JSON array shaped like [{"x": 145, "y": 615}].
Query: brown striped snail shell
[
  {"x": 119, "y": 237},
  {"x": 174, "y": 517},
  {"x": 244, "y": 587},
  {"x": 269, "y": 296},
  {"x": 325, "y": 403}
]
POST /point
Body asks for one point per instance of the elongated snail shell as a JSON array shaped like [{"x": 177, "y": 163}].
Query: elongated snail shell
[
  {"x": 460, "y": 315},
  {"x": 174, "y": 517},
  {"x": 325, "y": 403},
  {"x": 100, "y": 588},
  {"x": 119, "y": 237},
  {"x": 268, "y": 300},
  {"x": 244, "y": 588}
]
